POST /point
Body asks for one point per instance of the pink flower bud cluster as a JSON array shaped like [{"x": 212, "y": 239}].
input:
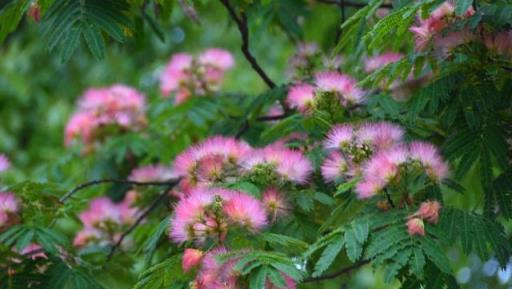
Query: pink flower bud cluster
[
  {"x": 303, "y": 96},
  {"x": 5, "y": 164},
  {"x": 9, "y": 210},
  {"x": 430, "y": 29},
  {"x": 428, "y": 211},
  {"x": 220, "y": 159},
  {"x": 104, "y": 220},
  {"x": 213, "y": 274},
  {"x": 117, "y": 106},
  {"x": 208, "y": 213},
  {"x": 186, "y": 75}
]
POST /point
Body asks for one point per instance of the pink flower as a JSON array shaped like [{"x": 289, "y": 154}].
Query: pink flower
[
  {"x": 81, "y": 125},
  {"x": 151, "y": 173},
  {"x": 291, "y": 165},
  {"x": 227, "y": 151},
  {"x": 384, "y": 165},
  {"x": 429, "y": 211},
  {"x": 368, "y": 188},
  {"x": 448, "y": 42},
  {"x": 9, "y": 208},
  {"x": 175, "y": 73},
  {"x": 9, "y": 203},
  {"x": 216, "y": 275},
  {"x": 438, "y": 20},
  {"x": 415, "y": 226},
  {"x": 191, "y": 258},
  {"x": 188, "y": 212},
  {"x": 339, "y": 137},
  {"x": 380, "y": 135},
  {"x": 430, "y": 158},
  {"x": 246, "y": 211},
  {"x": 375, "y": 62},
  {"x": 86, "y": 236},
  {"x": 218, "y": 58},
  {"x": 301, "y": 97},
  {"x": 34, "y": 251},
  {"x": 274, "y": 203},
  {"x": 118, "y": 105},
  {"x": 5, "y": 164},
  {"x": 334, "y": 167},
  {"x": 102, "y": 212},
  {"x": 341, "y": 84}
]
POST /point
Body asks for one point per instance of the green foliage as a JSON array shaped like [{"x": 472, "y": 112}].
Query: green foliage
[
  {"x": 67, "y": 21},
  {"x": 10, "y": 16},
  {"x": 476, "y": 233},
  {"x": 166, "y": 274}
]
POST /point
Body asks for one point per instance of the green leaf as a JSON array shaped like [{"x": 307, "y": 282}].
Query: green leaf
[
  {"x": 417, "y": 262},
  {"x": 436, "y": 255},
  {"x": 257, "y": 280},
  {"x": 328, "y": 256},
  {"x": 354, "y": 248},
  {"x": 94, "y": 40},
  {"x": 462, "y": 6},
  {"x": 11, "y": 15}
]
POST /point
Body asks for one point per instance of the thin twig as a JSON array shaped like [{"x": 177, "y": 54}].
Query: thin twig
[
  {"x": 272, "y": 117},
  {"x": 352, "y": 3},
  {"x": 189, "y": 11},
  {"x": 163, "y": 195},
  {"x": 116, "y": 181},
  {"x": 337, "y": 273},
  {"x": 241, "y": 22},
  {"x": 341, "y": 4}
]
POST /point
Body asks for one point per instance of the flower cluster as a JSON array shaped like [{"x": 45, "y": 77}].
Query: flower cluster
[
  {"x": 151, "y": 173},
  {"x": 117, "y": 107},
  {"x": 327, "y": 84},
  {"x": 428, "y": 211},
  {"x": 221, "y": 159},
  {"x": 430, "y": 30},
  {"x": 209, "y": 212},
  {"x": 377, "y": 153},
  {"x": 9, "y": 210},
  {"x": 5, "y": 164},
  {"x": 186, "y": 75},
  {"x": 104, "y": 220}
]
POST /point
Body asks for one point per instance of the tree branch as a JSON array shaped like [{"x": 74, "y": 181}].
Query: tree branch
[
  {"x": 189, "y": 11},
  {"x": 116, "y": 181},
  {"x": 163, "y": 195},
  {"x": 337, "y": 273},
  {"x": 351, "y": 3},
  {"x": 241, "y": 22}
]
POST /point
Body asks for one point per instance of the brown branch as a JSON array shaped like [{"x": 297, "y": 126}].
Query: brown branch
[
  {"x": 189, "y": 11},
  {"x": 337, "y": 273},
  {"x": 272, "y": 117},
  {"x": 116, "y": 181},
  {"x": 351, "y": 3},
  {"x": 241, "y": 22},
  {"x": 163, "y": 195}
]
